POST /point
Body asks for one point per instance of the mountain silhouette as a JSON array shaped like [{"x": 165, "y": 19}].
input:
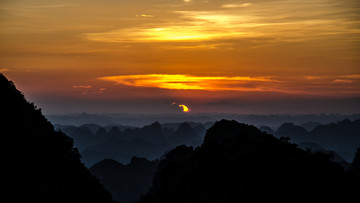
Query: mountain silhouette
[
  {"x": 266, "y": 129},
  {"x": 185, "y": 134},
  {"x": 126, "y": 182},
  {"x": 294, "y": 132},
  {"x": 239, "y": 163},
  {"x": 40, "y": 164},
  {"x": 309, "y": 126},
  {"x": 114, "y": 132},
  {"x": 355, "y": 166},
  {"x": 83, "y": 137},
  {"x": 153, "y": 133},
  {"x": 342, "y": 137},
  {"x": 314, "y": 147},
  {"x": 92, "y": 126}
]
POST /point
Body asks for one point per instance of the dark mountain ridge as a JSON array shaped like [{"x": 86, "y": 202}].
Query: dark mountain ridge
[
  {"x": 238, "y": 162},
  {"x": 126, "y": 182},
  {"x": 41, "y": 164}
]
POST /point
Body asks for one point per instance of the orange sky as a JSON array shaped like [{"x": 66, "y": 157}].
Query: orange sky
[{"x": 141, "y": 55}]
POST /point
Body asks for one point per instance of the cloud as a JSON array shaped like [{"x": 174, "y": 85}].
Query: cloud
[
  {"x": 193, "y": 26},
  {"x": 166, "y": 33},
  {"x": 50, "y": 6},
  {"x": 3, "y": 70},
  {"x": 333, "y": 84},
  {"x": 355, "y": 76},
  {"x": 286, "y": 21},
  {"x": 190, "y": 82},
  {"x": 145, "y": 16},
  {"x": 334, "y": 78},
  {"x": 88, "y": 89},
  {"x": 82, "y": 86},
  {"x": 101, "y": 90},
  {"x": 243, "y": 5},
  {"x": 83, "y": 89},
  {"x": 307, "y": 85},
  {"x": 342, "y": 81}
]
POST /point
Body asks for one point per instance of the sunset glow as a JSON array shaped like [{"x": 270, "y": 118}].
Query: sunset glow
[
  {"x": 188, "y": 82},
  {"x": 132, "y": 52}
]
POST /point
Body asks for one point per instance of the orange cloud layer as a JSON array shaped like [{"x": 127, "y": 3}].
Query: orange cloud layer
[
  {"x": 305, "y": 85},
  {"x": 189, "y": 82}
]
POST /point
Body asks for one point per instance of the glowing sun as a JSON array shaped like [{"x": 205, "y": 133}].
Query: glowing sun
[{"x": 185, "y": 108}]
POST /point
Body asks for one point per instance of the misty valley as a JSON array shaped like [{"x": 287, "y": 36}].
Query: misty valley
[
  {"x": 119, "y": 148},
  {"x": 215, "y": 161},
  {"x": 121, "y": 143}
]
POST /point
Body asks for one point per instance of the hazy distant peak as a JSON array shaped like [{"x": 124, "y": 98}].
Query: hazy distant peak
[{"x": 156, "y": 126}]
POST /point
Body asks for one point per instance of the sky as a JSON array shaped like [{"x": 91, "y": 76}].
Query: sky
[{"x": 150, "y": 56}]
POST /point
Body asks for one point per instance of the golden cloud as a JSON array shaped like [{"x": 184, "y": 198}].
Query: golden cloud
[
  {"x": 145, "y": 16},
  {"x": 3, "y": 70},
  {"x": 306, "y": 85},
  {"x": 256, "y": 21},
  {"x": 243, "y": 5},
  {"x": 190, "y": 82}
]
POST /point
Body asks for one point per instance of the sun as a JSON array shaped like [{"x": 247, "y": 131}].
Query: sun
[{"x": 185, "y": 108}]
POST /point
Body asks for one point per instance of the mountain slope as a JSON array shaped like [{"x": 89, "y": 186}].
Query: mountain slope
[
  {"x": 238, "y": 163},
  {"x": 41, "y": 164}
]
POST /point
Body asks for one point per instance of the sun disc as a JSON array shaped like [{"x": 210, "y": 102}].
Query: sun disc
[{"x": 185, "y": 108}]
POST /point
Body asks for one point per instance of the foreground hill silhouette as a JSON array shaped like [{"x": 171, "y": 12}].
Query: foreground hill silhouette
[
  {"x": 126, "y": 182},
  {"x": 41, "y": 165},
  {"x": 238, "y": 162}
]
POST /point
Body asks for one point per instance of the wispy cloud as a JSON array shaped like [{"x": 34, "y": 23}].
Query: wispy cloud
[
  {"x": 334, "y": 78},
  {"x": 88, "y": 89},
  {"x": 3, "y": 70},
  {"x": 243, "y": 5},
  {"x": 145, "y": 16},
  {"x": 83, "y": 89},
  {"x": 101, "y": 90},
  {"x": 50, "y": 6},
  {"x": 333, "y": 84},
  {"x": 286, "y": 21},
  {"x": 82, "y": 86}
]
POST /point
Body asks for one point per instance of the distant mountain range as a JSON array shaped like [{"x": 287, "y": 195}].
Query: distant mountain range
[
  {"x": 137, "y": 120},
  {"x": 239, "y": 163},
  {"x": 342, "y": 137},
  {"x": 231, "y": 154},
  {"x": 121, "y": 143}
]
